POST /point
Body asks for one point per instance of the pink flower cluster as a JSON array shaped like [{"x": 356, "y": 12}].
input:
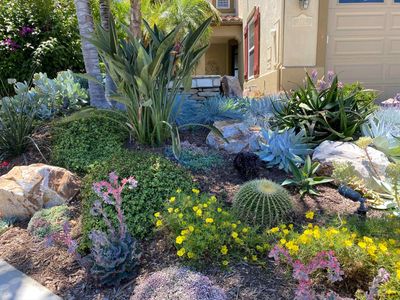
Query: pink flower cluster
[
  {"x": 111, "y": 193},
  {"x": 9, "y": 43},
  {"x": 326, "y": 81},
  {"x": 302, "y": 272}
]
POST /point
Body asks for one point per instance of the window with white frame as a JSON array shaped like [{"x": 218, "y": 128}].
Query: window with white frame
[
  {"x": 224, "y": 4},
  {"x": 251, "y": 48}
]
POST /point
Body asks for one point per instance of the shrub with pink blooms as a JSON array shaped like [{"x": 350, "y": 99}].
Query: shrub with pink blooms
[{"x": 178, "y": 283}]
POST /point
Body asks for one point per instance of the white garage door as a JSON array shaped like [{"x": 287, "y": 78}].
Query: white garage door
[{"x": 364, "y": 43}]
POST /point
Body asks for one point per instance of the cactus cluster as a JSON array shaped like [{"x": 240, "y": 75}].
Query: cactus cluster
[
  {"x": 48, "y": 221},
  {"x": 262, "y": 203}
]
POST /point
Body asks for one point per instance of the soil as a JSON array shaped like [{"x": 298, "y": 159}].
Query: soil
[{"x": 54, "y": 268}]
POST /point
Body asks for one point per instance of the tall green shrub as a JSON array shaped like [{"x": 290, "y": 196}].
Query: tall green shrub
[{"x": 38, "y": 36}]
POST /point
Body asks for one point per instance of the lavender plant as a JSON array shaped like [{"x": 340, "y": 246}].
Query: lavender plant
[
  {"x": 115, "y": 254},
  {"x": 178, "y": 283}
]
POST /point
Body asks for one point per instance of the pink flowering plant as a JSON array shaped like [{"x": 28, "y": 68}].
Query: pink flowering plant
[
  {"x": 114, "y": 254},
  {"x": 324, "y": 260}
]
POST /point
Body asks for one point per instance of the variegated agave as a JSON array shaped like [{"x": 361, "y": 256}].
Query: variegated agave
[{"x": 281, "y": 147}]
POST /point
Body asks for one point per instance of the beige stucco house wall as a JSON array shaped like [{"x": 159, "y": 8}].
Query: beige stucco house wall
[{"x": 359, "y": 41}]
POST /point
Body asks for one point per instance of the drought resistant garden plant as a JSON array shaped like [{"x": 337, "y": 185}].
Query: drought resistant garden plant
[
  {"x": 114, "y": 254},
  {"x": 178, "y": 283},
  {"x": 262, "y": 203},
  {"x": 149, "y": 77},
  {"x": 78, "y": 144},
  {"x": 324, "y": 110},
  {"x": 305, "y": 178},
  {"x": 48, "y": 221},
  {"x": 16, "y": 125},
  {"x": 157, "y": 177},
  {"x": 204, "y": 232},
  {"x": 278, "y": 148}
]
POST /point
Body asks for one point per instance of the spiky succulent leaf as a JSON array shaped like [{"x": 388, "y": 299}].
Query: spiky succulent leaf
[{"x": 281, "y": 147}]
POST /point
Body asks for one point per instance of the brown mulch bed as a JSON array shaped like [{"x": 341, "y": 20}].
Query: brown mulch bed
[{"x": 57, "y": 270}]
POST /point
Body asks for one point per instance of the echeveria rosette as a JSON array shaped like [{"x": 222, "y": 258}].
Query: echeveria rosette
[{"x": 281, "y": 147}]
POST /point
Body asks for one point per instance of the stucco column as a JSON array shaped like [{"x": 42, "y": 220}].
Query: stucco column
[{"x": 201, "y": 66}]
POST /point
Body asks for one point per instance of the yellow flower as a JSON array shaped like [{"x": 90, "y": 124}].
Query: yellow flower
[
  {"x": 234, "y": 234},
  {"x": 259, "y": 248},
  {"x": 398, "y": 274},
  {"x": 362, "y": 245},
  {"x": 224, "y": 250},
  {"x": 239, "y": 241},
  {"x": 190, "y": 254},
  {"x": 392, "y": 241},
  {"x": 291, "y": 226},
  {"x": 245, "y": 258},
  {"x": 234, "y": 225},
  {"x": 172, "y": 200},
  {"x": 316, "y": 233},
  {"x": 170, "y": 210},
  {"x": 219, "y": 209},
  {"x": 225, "y": 262},
  {"x": 178, "y": 191},
  {"x": 254, "y": 257},
  {"x": 196, "y": 191},
  {"x": 209, "y": 220},
  {"x": 179, "y": 239},
  {"x": 368, "y": 240},
  {"x": 191, "y": 228},
  {"x": 205, "y": 205},
  {"x": 348, "y": 243},
  {"x": 158, "y": 223},
  {"x": 157, "y": 214},
  {"x": 364, "y": 142},
  {"x": 273, "y": 230},
  {"x": 391, "y": 292},
  {"x": 292, "y": 246},
  {"x": 176, "y": 210},
  {"x": 199, "y": 212},
  {"x": 181, "y": 252},
  {"x": 283, "y": 241},
  {"x": 310, "y": 215},
  {"x": 195, "y": 208},
  {"x": 245, "y": 230},
  {"x": 285, "y": 231},
  {"x": 180, "y": 216},
  {"x": 383, "y": 247},
  {"x": 303, "y": 239},
  {"x": 185, "y": 232}
]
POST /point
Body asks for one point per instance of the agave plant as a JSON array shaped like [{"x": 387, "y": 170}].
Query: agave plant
[
  {"x": 305, "y": 178},
  {"x": 282, "y": 147},
  {"x": 325, "y": 111},
  {"x": 260, "y": 112},
  {"x": 210, "y": 111},
  {"x": 149, "y": 76}
]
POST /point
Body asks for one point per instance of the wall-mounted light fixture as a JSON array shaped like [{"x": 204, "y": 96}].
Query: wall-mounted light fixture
[{"x": 304, "y": 4}]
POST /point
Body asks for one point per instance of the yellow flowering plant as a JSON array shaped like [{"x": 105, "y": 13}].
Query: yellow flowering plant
[
  {"x": 360, "y": 256},
  {"x": 204, "y": 232}
]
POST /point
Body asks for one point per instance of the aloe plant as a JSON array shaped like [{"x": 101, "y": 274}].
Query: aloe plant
[
  {"x": 149, "y": 76},
  {"x": 305, "y": 178},
  {"x": 325, "y": 112}
]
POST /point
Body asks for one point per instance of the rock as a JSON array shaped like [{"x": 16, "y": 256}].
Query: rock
[
  {"x": 329, "y": 152},
  {"x": 392, "y": 102},
  {"x": 239, "y": 135},
  {"x": 231, "y": 86},
  {"x": 27, "y": 189}
]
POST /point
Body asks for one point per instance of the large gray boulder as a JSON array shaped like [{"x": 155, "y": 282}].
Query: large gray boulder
[
  {"x": 27, "y": 189},
  {"x": 330, "y": 152},
  {"x": 239, "y": 136}
]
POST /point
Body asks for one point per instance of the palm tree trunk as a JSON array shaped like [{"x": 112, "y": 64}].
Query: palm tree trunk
[
  {"x": 105, "y": 13},
  {"x": 136, "y": 18},
  {"x": 90, "y": 55}
]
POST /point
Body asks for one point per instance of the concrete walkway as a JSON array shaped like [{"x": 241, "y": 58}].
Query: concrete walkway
[{"x": 15, "y": 285}]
